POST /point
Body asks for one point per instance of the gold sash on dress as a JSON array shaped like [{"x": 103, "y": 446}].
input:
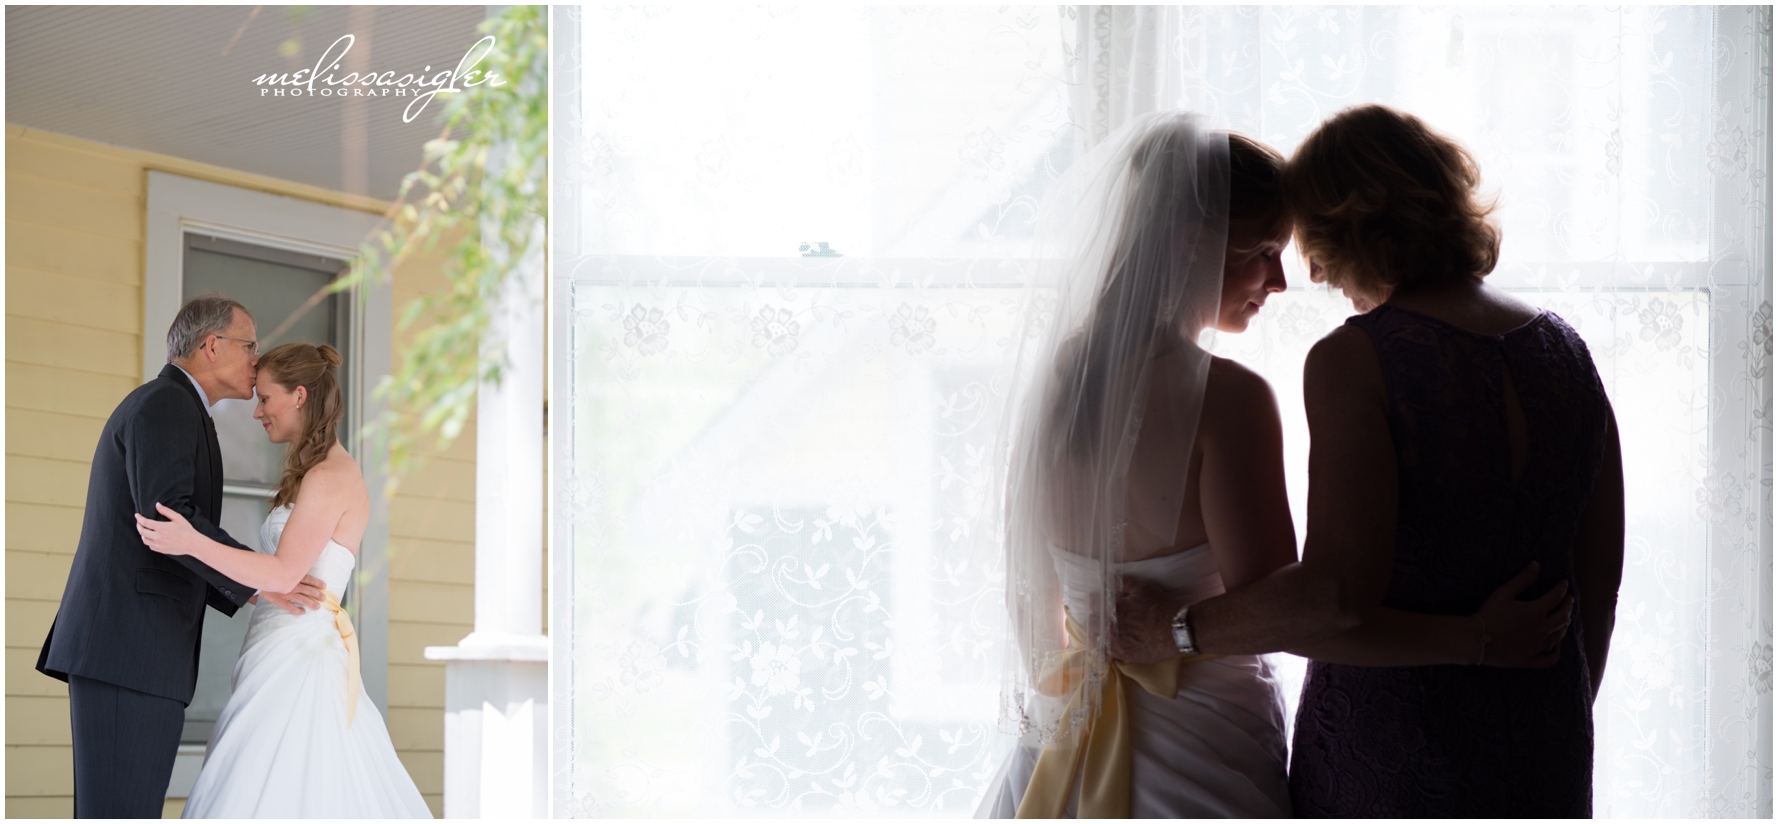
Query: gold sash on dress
[
  {"x": 343, "y": 623},
  {"x": 1100, "y": 754}
]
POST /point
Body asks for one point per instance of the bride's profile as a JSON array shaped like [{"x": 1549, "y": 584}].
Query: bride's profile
[{"x": 299, "y": 737}]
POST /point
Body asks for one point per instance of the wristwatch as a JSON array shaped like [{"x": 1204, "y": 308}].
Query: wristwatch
[{"x": 1182, "y": 632}]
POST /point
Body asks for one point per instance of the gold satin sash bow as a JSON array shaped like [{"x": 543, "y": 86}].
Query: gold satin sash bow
[
  {"x": 343, "y": 623},
  {"x": 1100, "y": 754}
]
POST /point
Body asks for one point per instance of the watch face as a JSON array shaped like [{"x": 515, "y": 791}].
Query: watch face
[{"x": 1182, "y": 635}]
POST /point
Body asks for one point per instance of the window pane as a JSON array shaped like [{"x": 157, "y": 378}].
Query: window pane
[
  {"x": 223, "y": 635},
  {"x": 782, "y": 577},
  {"x": 883, "y": 132},
  {"x": 273, "y": 285},
  {"x": 1592, "y": 123},
  {"x": 778, "y": 608}
]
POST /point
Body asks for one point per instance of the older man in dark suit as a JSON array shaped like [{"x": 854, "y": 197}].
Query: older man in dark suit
[{"x": 127, "y": 633}]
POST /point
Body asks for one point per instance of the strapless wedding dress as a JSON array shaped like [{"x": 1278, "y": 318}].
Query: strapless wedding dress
[
  {"x": 1214, "y": 750},
  {"x": 290, "y": 743}
]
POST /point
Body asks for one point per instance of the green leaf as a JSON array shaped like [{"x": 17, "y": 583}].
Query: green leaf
[{"x": 492, "y": 218}]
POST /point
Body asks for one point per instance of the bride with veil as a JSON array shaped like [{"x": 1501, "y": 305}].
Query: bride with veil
[{"x": 1132, "y": 453}]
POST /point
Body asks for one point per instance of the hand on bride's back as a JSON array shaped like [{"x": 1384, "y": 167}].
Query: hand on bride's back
[
  {"x": 306, "y": 596},
  {"x": 1142, "y": 629},
  {"x": 1525, "y": 633}
]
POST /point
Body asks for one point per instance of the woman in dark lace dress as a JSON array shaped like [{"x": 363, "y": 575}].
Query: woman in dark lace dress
[{"x": 1459, "y": 438}]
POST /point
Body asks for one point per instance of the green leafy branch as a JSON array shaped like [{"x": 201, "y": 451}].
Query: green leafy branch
[{"x": 481, "y": 191}]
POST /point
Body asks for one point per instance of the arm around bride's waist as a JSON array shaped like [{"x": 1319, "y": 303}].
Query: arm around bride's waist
[
  {"x": 319, "y": 506},
  {"x": 1348, "y": 554},
  {"x": 1393, "y": 638},
  {"x": 1329, "y": 606}
]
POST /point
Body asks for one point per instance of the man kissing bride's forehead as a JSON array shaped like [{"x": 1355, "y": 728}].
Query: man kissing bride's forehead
[
  {"x": 298, "y": 737},
  {"x": 1149, "y": 541}
]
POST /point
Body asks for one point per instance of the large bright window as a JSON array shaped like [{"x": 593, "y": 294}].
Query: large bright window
[{"x": 787, "y": 246}]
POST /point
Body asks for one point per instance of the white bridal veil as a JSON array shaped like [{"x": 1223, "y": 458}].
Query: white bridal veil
[{"x": 1105, "y": 399}]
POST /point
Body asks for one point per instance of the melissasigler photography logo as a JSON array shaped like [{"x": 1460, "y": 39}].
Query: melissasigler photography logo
[{"x": 324, "y": 81}]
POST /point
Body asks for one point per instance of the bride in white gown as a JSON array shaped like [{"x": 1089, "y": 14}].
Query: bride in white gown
[
  {"x": 299, "y": 737},
  {"x": 1135, "y": 454}
]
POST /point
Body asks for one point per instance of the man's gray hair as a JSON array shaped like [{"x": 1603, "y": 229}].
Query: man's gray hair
[{"x": 210, "y": 313}]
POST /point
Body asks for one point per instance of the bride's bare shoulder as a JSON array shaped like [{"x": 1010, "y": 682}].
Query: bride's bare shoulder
[
  {"x": 1235, "y": 393},
  {"x": 337, "y": 474}
]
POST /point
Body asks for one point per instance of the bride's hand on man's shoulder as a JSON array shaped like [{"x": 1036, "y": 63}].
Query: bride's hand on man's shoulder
[
  {"x": 1525, "y": 633},
  {"x": 173, "y": 536},
  {"x": 1142, "y": 628}
]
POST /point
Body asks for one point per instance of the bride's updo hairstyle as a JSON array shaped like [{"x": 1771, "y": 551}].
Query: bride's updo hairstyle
[
  {"x": 315, "y": 368},
  {"x": 1381, "y": 201}
]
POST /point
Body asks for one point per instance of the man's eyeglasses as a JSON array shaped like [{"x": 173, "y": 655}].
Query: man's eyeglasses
[{"x": 252, "y": 345}]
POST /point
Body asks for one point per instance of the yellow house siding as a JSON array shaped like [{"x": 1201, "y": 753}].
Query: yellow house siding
[
  {"x": 74, "y": 347},
  {"x": 73, "y": 329},
  {"x": 431, "y": 583},
  {"x": 77, "y": 252},
  {"x": 36, "y": 528},
  {"x": 75, "y": 301}
]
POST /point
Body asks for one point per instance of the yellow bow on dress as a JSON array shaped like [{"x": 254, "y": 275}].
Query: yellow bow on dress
[
  {"x": 343, "y": 623},
  {"x": 1100, "y": 753}
]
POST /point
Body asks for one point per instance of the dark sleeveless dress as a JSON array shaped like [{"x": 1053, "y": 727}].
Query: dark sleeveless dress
[{"x": 1400, "y": 742}]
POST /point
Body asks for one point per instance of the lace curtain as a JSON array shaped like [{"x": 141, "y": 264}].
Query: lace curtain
[
  {"x": 785, "y": 246},
  {"x": 781, "y": 292}
]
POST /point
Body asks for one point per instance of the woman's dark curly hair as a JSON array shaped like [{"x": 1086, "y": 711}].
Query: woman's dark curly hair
[{"x": 1382, "y": 201}]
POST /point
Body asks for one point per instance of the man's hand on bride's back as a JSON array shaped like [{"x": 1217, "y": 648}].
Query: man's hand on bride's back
[
  {"x": 1142, "y": 629},
  {"x": 308, "y": 595}
]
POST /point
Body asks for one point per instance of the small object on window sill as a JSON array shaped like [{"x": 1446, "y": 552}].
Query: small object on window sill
[
  {"x": 1454, "y": 49},
  {"x": 819, "y": 250}
]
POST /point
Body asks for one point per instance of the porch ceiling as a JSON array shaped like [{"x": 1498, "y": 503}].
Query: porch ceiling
[{"x": 178, "y": 80}]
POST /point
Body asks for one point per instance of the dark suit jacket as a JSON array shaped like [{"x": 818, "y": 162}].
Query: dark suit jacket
[{"x": 131, "y": 616}]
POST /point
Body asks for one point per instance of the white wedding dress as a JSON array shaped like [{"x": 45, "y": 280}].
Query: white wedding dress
[
  {"x": 283, "y": 747},
  {"x": 1215, "y": 750}
]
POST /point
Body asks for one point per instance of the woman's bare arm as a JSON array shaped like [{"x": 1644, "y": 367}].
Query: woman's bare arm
[
  {"x": 1506, "y": 632},
  {"x": 1599, "y": 555},
  {"x": 1241, "y": 481},
  {"x": 1393, "y": 638},
  {"x": 1352, "y": 518},
  {"x": 1348, "y": 556}
]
